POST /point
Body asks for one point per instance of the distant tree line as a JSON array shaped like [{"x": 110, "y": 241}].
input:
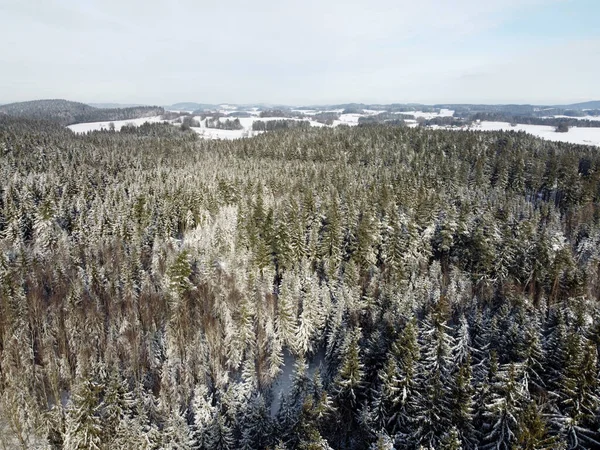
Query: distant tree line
[
  {"x": 157, "y": 130},
  {"x": 272, "y": 125},
  {"x": 444, "y": 121},
  {"x": 283, "y": 113},
  {"x": 384, "y": 117},
  {"x": 353, "y": 110},
  {"x": 573, "y": 112},
  {"x": 530, "y": 120},
  {"x": 326, "y": 118},
  {"x": 172, "y": 115},
  {"x": 188, "y": 122},
  {"x": 226, "y": 124},
  {"x": 240, "y": 114},
  {"x": 65, "y": 112}
]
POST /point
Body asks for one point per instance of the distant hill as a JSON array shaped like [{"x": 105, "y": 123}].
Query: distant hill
[
  {"x": 62, "y": 111},
  {"x": 585, "y": 105},
  {"x": 192, "y": 106},
  {"x": 115, "y": 105},
  {"x": 462, "y": 108},
  {"x": 66, "y": 112}
]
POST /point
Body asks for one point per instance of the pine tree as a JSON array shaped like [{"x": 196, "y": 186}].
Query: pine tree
[
  {"x": 462, "y": 403},
  {"x": 434, "y": 407},
  {"x": 533, "y": 358},
  {"x": 462, "y": 350},
  {"x": 84, "y": 427},
  {"x": 348, "y": 389},
  {"x": 533, "y": 432},
  {"x": 287, "y": 301},
  {"x": 176, "y": 435},
  {"x": 255, "y": 425},
  {"x": 400, "y": 382},
  {"x": 307, "y": 430},
  {"x": 205, "y": 415},
  {"x": 503, "y": 411},
  {"x": 293, "y": 400},
  {"x": 451, "y": 441},
  {"x": 578, "y": 402},
  {"x": 349, "y": 380},
  {"x": 330, "y": 248},
  {"x": 221, "y": 434},
  {"x": 116, "y": 405},
  {"x": 383, "y": 442},
  {"x": 130, "y": 433}
]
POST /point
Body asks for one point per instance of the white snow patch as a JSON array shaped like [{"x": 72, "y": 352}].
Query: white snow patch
[
  {"x": 283, "y": 384},
  {"x": 93, "y": 126},
  {"x": 306, "y": 112},
  {"x": 429, "y": 115},
  {"x": 246, "y": 131},
  {"x": 215, "y": 133},
  {"x": 348, "y": 119},
  {"x": 372, "y": 112},
  {"x": 575, "y": 135},
  {"x": 597, "y": 118}
]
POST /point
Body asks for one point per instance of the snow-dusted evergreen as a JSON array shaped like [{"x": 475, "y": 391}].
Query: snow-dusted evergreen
[{"x": 373, "y": 287}]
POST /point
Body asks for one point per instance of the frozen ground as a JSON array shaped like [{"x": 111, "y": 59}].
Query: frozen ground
[
  {"x": 246, "y": 122},
  {"x": 215, "y": 133},
  {"x": 596, "y": 118},
  {"x": 283, "y": 384},
  {"x": 586, "y": 136},
  {"x": 306, "y": 112},
  {"x": 348, "y": 119},
  {"x": 575, "y": 135},
  {"x": 92, "y": 126},
  {"x": 207, "y": 133},
  {"x": 429, "y": 115}
]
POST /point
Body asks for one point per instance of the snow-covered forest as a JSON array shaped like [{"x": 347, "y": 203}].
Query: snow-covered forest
[
  {"x": 66, "y": 112},
  {"x": 368, "y": 287}
]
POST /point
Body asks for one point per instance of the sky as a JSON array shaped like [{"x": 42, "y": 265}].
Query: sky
[{"x": 300, "y": 52}]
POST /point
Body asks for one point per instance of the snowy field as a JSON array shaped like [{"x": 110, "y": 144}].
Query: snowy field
[
  {"x": 586, "y": 136},
  {"x": 215, "y": 133},
  {"x": 202, "y": 130},
  {"x": 597, "y": 118},
  {"x": 428, "y": 115},
  {"x": 246, "y": 131},
  {"x": 348, "y": 119},
  {"x": 93, "y": 126}
]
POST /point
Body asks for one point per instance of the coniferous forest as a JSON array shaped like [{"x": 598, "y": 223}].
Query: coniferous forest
[
  {"x": 65, "y": 112},
  {"x": 374, "y": 287}
]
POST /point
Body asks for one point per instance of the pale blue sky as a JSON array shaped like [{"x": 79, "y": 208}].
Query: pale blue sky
[{"x": 301, "y": 52}]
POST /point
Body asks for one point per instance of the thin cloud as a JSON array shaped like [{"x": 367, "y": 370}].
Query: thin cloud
[{"x": 238, "y": 51}]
